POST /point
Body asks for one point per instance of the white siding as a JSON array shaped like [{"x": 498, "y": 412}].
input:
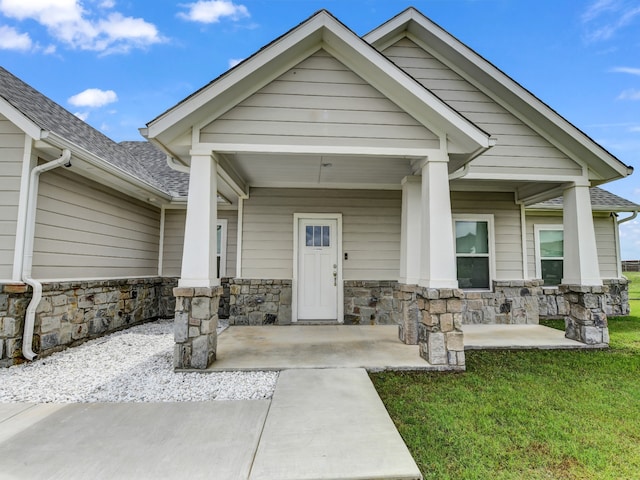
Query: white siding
[
  {"x": 319, "y": 102},
  {"x": 520, "y": 150},
  {"x": 174, "y": 221},
  {"x": 11, "y": 152},
  {"x": 84, "y": 230},
  {"x": 605, "y": 241},
  {"x": 508, "y": 239},
  {"x": 371, "y": 230}
]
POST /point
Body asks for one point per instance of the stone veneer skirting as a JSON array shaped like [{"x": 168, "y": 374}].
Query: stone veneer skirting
[
  {"x": 258, "y": 301},
  {"x": 371, "y": 302},
  {"x": 75, "y": 311},
  {"x": 525, "y": 302}
]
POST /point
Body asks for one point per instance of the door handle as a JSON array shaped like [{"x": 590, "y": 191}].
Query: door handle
[{"x": 335, "y": 276}]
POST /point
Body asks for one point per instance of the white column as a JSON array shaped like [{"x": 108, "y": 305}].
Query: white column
[
  {"x": 580, "y": 252},
  {"x": 437, "y": 258},
  {"x": 199, "y": 264},
  {"x": 410, "y": 230}
]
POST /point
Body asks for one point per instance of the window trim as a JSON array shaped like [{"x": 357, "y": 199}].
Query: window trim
[
  {"x": 478, "y": 217},
  {"x": 222, "y": 222},
  {"x": 540, "y": 227}
]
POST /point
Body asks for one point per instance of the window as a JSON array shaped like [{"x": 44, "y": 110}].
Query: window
[
  {"x": 549, "y": 253},
  {"x": 221, "y": 252},
  {"x": 474, "y": 251},
  {"x": 317, "y": 235}
]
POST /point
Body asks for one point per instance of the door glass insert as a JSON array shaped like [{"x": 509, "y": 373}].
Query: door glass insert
[{"x": 318, "y": 235}]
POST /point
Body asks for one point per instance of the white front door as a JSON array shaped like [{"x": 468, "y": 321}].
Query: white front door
[{"x": 317, "y": 269}]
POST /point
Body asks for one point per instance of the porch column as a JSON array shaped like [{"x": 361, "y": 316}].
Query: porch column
[
  {"x": 580, "y": 252},
  {"x": 198, "y": 292},
  {"x": 410, "y": 230},
  {"x": 437, "y": 257},
  {"x": 581, "y": 284}
]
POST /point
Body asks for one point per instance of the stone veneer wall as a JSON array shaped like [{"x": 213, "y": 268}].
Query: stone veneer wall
[
  {"x": 616, "y": 300},
  {"x": 369, "y": 302},
  {"x": 259, "y": 301},
  {"x": 510, "y": 302},
  {"x": 75, "y": 311},
  {"x": 525, "y": 302}
]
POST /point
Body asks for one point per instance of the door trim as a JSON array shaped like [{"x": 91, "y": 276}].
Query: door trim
[{"x": 294, "y": 285}]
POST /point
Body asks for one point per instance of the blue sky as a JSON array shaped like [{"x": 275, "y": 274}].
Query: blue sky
[{"x": 120, "y": 63}]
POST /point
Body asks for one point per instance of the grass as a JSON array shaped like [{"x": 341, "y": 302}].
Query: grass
[{"x": 527, "y": 414}]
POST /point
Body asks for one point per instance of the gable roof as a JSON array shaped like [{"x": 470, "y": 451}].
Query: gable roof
[
  {"x": 501, "y": 88},
  {"x": 601, "y": 201},
  {"x": 322, "y": 30}
]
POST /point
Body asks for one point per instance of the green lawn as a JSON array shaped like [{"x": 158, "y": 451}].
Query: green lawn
[{"x": 527, "y": 414}]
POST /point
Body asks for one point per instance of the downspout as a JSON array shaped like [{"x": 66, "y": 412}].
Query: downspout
[
  {"x": 178, "y": 167},
  {"x": 27, "y": 263}
]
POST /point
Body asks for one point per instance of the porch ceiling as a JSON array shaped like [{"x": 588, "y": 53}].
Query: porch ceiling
[{"x": 321, "y": 171}]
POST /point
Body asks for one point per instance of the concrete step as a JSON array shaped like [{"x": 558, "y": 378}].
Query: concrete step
[{"x": 330, "y": 424}]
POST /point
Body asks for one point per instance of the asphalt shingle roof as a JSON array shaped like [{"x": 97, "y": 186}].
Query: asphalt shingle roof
[
  {"x": 175, "y": 183},
  {"x": 50, "y": 116},
  {"x": 600, "y": 200}
]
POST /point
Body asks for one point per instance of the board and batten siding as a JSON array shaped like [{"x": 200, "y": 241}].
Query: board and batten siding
[
  {"x": 319, "y": 102},
  {"x": 520, "y": 150},
  {"x": 370, "y": 230},
  {"x": 174, "y": 222},
  {"x": 605, "y": 241},
  {"x": 85, "y": 230},
  {"x": 11, "y": 156},
  {"x": 506, "y": 218}
]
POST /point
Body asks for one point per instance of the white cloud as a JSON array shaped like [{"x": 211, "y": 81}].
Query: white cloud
[
  {"x": 603, "y": 18},
  {"x": 630, "y": 94},
  {"x": 93, "y": 97},
  {"x": 11, "y": 39},
  {"x": 211, "y": 11},
  {"x": 635, "y": 129},
  {"x": 629, "y": 70},
  {"x": 82, "y": 115},
  {"x": 70, "y": 22},
  {"x": 235, "y": 61}
]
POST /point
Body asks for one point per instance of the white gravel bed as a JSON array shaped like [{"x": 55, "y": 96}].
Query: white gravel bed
[{"x": 134, "y": 365}]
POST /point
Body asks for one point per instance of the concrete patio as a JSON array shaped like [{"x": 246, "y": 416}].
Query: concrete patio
[{"x": 373, "y": 348}]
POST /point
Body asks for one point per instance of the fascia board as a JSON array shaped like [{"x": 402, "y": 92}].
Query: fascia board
[
  {"x": 19, "y": 119},
  {"x": 572, "y": 140},
  {"x": 88, "y": 157}
]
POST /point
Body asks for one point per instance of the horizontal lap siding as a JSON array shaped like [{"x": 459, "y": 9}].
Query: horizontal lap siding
[
  {"x": 371, "y": 230},
  {"x": 319, "y": 102},
  {"x": 84, "y": 230},
  {"x": 174, "y": 221},
  {"x": 605, "y": 242},
  {"x": 11, "y": 153},
  {"x": 506, "y": 216},
  {"x": 520, "y": 150}
]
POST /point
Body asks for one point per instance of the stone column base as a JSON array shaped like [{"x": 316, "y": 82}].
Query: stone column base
[
  {"x": 587, "y": 320},
  {"x": 432, "y": 318},
  {"x": 195, "y": 329}
]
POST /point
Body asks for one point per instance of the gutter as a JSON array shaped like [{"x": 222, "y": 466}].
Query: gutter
[
  {"x": 630, "y": 217},
  {"x": 27, "y": 262}
]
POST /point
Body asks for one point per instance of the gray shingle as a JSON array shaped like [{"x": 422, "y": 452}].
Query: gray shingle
[
  {"x": 48, "y": 115},
  {"x": 155, "y": 162},
  {"x": 600, "y": 200}
]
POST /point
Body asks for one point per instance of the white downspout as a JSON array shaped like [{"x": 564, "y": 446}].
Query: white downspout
[
  {"x": 616, "y": 231},
  {"x": 27, "y": 262}
]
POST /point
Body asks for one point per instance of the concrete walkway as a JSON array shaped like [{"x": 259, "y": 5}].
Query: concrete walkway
[{"x": 320, "y": 424}]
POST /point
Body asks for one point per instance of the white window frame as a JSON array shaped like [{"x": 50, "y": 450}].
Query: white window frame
[
  {"x": 222, "y": 222},
  {"x": 537, "y": 228},
  {"x": 476, "y": 217}
]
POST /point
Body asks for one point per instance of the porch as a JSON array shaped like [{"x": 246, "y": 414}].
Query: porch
[{"x": 373, "y": 347}]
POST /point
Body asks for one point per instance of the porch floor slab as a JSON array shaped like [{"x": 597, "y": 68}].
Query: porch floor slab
[
  {"x": 518, "y": 337},
  {"x": 274, "y": 347}
]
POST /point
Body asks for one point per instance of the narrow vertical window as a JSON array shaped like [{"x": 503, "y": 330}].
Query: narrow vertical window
[
  {"x": 473, "y": 262},
  {"x": 550, "y": 249}
]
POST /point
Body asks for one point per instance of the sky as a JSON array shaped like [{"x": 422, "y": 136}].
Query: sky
[{"x": 118, "y": 64}]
